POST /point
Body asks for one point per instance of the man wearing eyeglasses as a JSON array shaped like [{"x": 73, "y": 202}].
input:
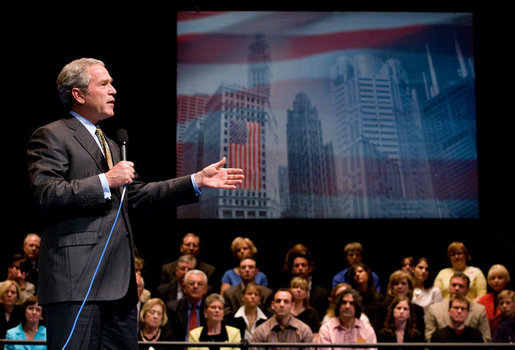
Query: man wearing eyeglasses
[
  {"x": 457, "y": 331},
  {"x": 438, "y": 314},
  {"x": 186, "y": 313}
]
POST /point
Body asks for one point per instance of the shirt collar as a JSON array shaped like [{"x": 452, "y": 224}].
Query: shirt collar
[{"x": 86, "y": 122}]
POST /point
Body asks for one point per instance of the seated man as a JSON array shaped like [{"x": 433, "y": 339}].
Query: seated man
[
  {"x": 353, "y": 253},
  {"x": 234, "y": 295},
  {"x": 175, "y": 288},
  {"x": 190, "y": 246},
  {"x": 438, "y": 313},
  {"x": 346, "y": 327},
  {"x": 282, "y": 327},
  {"x": 187, "y": 313},
  {"x": 456, "y": 331}
]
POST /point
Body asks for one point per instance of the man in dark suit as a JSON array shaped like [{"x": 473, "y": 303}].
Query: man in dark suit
[
  {"x": 175, "y": 288},
  {"x": 180, "y": 311},
  {"x": 234, "y": 295},
  {"x": 77, "y": 177},
  {"x": 190, "y": 246}
]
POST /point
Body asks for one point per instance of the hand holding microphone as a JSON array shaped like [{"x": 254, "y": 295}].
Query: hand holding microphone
[{"x": 123, "y": 172}]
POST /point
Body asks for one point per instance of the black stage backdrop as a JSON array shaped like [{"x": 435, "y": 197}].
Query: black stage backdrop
[{"x": 137, "y": 44}]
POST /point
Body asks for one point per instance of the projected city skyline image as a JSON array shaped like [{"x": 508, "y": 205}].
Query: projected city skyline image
[{"x": 331, "y": 115}]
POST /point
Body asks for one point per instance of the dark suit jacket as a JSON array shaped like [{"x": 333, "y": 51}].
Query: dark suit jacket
[
  {"x": 233, "y": 300},
  {"x": 168, "y": 270},
  {"x": 178, "y": 318},
  {"x": 64, "y": 162}
]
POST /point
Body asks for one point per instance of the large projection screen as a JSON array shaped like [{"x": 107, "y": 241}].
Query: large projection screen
[{"x": 330, "y": 114}]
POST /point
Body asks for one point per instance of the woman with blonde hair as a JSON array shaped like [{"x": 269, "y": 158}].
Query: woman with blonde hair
[
  {"x": 459, "y": 257},
  {"x": 153, "y": 318},
  {"x": 241, "y": 247},
  {"x": 300, "y": 306},
  {"x": 11, "y": 310},
  {"x": 498, "y": 278}
]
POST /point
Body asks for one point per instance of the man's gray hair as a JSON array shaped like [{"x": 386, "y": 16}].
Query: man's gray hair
[{"x": 74, "y": 75}]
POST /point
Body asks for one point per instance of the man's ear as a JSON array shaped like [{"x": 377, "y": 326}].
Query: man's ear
[{"x": 78, "y": 95}]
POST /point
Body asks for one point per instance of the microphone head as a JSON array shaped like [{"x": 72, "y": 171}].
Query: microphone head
[{"x": 122, "y": 136}]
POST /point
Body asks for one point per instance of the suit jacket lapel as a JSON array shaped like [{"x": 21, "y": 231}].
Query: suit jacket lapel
[{"x": 82, "y": 135}]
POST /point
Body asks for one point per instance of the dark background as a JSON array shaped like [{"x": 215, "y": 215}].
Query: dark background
[{"x": 137, "y": 44}]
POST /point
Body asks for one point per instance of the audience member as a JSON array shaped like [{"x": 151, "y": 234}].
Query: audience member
[
  {"x": 249, "y": 315},
  {"x": 457, "y": 331},
  {"x": 438, "y": 313},
  {"x": 353, "y": 253},
  {"x": 11, "y": 312},
  {"x": 15, "y": 273},
  {"x": 424, "y": 293},
  {"x": 190, "y": 246},
  {"x": 301, "y": 308},
  {"x": 401, "y": 284},
  {"x": 175, "y": 288},
  {"x": 372, "y": 301},
  {"x": 332, "y": 300},
  {"x": 346, "y": 327},
  {"x": 299, "y": 262},
  {"x": 498, "y": 278},
  {"x": 186, "y": 313},
  {"x": 458, "y": 256},
  {"x": 30, "y": 265},
  {"x": 140, "y": 287},
  {"x": 153, "y": 320},
  {"x": 241, "y": 247},
  {"x": 408, "y": 264},
  {"x": 282, "y": 327},
  {"x": 30, "y": 327},
  {"x": 506, "y": 305},
  {"x": 233, "y": 295},
  {"x": 505, "y": 330},
  {"x": 215, "y": 330},
  {"x": 400, "y": 325}
]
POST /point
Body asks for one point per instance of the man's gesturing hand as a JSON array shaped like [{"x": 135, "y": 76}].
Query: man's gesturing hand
[
  {"x": 120, "y": 174},
  {"x": 215, "y": 176}
]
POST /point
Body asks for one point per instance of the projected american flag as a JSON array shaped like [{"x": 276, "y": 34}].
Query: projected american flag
[{"x": 245, "y": 151}]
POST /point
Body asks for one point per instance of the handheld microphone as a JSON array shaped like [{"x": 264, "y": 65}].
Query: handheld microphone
[{"x": 123, "y": 140}]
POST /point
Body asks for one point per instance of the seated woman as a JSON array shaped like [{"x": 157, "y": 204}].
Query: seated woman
[
  {"x": 425, "y": 293},
  {"x": 215, "y": 330},
  {"x": 30, "y": 327},
  {"x": 498, "y": 278},
  {"x": 153, "y": 318},
  {"x": 249, "y": 316},
  {"x": 300, "y": 306},
  {"x": 459, "y": 257},
  {"x": 242, "y": 247},
  {"x": 400, "y": 325},
  {"x": 11, "y": 311}
]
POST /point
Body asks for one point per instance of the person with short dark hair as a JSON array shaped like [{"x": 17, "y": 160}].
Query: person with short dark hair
[
  {"x": 30, "y": 328},
  {"x": 457, "y": 331}
]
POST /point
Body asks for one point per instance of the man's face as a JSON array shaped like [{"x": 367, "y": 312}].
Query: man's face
[
  {"x": 300, "y": 267},
  {"x": 182, "y": 268},
  {"x": 195, "y": 287},
  {"x": 353, "y": 257},
  {"x": 458, "y": 286},
  {"x": 31, "y": 247},
  {"x": 459, "y": 311},
  {"x": 98, "y": 101},
  {"x": 190, "y": 246},
  {"x": 347, "y": 307},
  {"x": 248, "y": 270},
  {"x": 282, "y": 304}
]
